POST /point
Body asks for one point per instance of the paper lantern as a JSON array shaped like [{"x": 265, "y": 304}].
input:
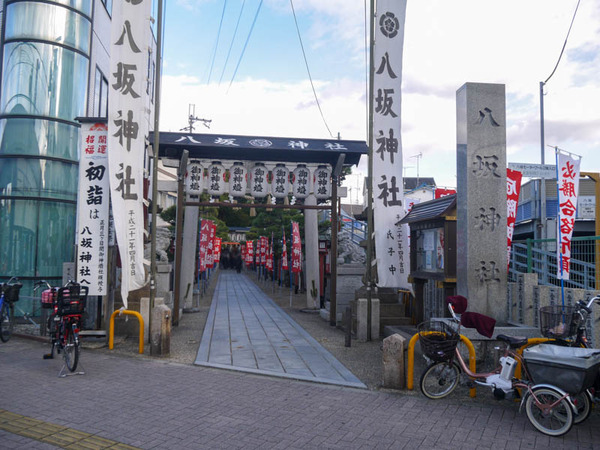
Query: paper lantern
[
  {"x": 238, "y": 180},
  {"x": 322, "y": 183},
  {"x": 301, "y": 181},
  {"x": 280, "y": 184},
  {"x": 259, "y": 187},
  {"x": 216, "y": 179},
  {"x": 194, "y": 180}
]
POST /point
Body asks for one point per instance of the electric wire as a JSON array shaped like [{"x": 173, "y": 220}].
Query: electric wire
[
  {"x": 565, "y": 43},
  {"x": 308, "y": 69},
  {"x": 217, "y": 43},
  {"x": 232, "y": 39},
  {"x": 245, "y": 45}
]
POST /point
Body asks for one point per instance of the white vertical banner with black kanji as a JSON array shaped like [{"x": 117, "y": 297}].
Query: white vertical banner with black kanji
[
  {"x": 567, "y": 169},
  {"x": 391, "y": 241},
  {"x": 92, "y": 208},
  {"x": 127, "y": 125}
]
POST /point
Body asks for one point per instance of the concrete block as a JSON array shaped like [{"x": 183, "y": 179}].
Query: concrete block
[
  {"x": 160, "y": 332},
  {"x": 393, "y": 362},
  {"x": 361, "y": 319}
]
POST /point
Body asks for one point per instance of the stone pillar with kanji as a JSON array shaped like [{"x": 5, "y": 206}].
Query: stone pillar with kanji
[{"x": 481, "y": 198}]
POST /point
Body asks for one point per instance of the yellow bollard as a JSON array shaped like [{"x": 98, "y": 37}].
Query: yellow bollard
[
  {"x": 410, "y": 369},
  {"x": 111, "y": 330}
]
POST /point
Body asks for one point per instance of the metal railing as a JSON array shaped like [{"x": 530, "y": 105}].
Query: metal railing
[
  {"x": 539, "y": 256},
  {"x": 357, "y": 229}
]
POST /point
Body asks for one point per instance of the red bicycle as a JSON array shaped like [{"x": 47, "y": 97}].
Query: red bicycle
[{"x": 68, "y": 305}]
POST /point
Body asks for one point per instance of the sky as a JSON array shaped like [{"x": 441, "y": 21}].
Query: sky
[{"x": 267, "y": 91}]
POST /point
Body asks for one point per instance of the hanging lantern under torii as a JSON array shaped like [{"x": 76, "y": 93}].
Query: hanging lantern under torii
[
  {"x": 301, "y": 181},
  {"x": 322, "y": 183},
  {"x": 194, "y": 178},
  {"x": 280, "y": 184},
  {"x": 259, "y": 186},
  {"x": 216, "y": 179},
  {"x": 238, "y": 176}
]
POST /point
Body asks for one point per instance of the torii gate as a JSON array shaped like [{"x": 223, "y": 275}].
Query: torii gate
[{"x": 182, "y": 146}]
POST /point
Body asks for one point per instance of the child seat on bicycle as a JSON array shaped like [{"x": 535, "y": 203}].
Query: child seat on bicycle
[{"x": 483, "y": 324}]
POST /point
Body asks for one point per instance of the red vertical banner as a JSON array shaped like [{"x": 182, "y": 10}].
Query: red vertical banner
[
  {"x": 217, "y": 250},
  {"x": 568, "y": 187},
  {"x": 296, "y": 249},
  {"x": 268, "y": 256},
  {"x": 263, "y": 250},
  {"x": 204, "y": 233},
  {"x": 249, "y": 253},
  {"x": 284, "y": 257},
  {"x": 210, "y": 245},
  {"x": 513, "y": 187}
]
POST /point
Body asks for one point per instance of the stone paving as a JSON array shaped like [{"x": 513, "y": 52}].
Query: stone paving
[
  {"x": 247, "y": 331},
  {"x": 128, "y": 400},
  {"x": 154, "y": 404}
]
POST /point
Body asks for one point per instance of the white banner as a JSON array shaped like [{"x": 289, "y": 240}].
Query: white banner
[
  {"x": 391, "y": 241},
  {"x": 92, "y": 208},
  {"x": 568, "y": 187},
  {"x": 127, "y": 126}
]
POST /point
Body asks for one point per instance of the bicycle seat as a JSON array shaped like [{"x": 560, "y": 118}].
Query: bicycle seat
[{"x": 513, "y": 341}]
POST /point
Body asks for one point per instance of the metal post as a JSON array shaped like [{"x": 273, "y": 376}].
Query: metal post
[
  {"x": 370, "y": 174},
  {"x": 155, "y": 147},
  {"x": 179, "y": 235},
  {"x": 543, "y": 231},
  {"x": 334, "y": 238}
]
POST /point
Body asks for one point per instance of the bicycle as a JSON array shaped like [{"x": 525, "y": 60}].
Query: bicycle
[
  {"x": 558, "y": 324},
  {"x": 68, "y": 305},
  {"x": 548, "y": 408},
  {"x": 9, "y": 294}
]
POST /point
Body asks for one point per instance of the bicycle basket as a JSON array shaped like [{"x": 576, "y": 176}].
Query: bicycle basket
[
  {"x": 11, "y": 292},
  {"x": 557, "y": 321},
  {"x": 49, "y": 298},
  {"x": 71, "y": 300},
  {"x": 438, "y": 340}
]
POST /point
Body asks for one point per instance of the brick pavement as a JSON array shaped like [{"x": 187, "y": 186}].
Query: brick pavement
[{"x": 154, "y": 404}]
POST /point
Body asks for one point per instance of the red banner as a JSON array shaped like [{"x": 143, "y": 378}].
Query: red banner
[
  {"x": 442, "y": 192},
  {"x": 249, "y": 252},
  {"x": 269, "y": 256},
  {"x": 204, "y": 234},
  {"x": 296, "y": 249},
  {"x": 284, "y": 257},
  {"x": 210, "y": 260},
  {"x": 217, "y": 250},
  {"x": 264, "y": 242},
  {"x": 513, "y": 187}
]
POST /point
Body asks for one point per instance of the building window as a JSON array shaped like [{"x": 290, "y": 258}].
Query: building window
[{"x": 100, "y": 95}]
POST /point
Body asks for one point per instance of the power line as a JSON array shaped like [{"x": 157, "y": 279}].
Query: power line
[
  {"x": 245, "y": 44},
  {"x": 308, "y": 70},
  {"x": 565, "y": 43},
  {"x": 217, "y": 43},
  {"x": 232, "y": 39}
]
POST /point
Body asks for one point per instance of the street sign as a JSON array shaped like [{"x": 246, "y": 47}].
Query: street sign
[{"x": 534, "y": 170}]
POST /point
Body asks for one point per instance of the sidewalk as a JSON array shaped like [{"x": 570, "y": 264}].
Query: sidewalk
[{"x": 128, "y": 400}]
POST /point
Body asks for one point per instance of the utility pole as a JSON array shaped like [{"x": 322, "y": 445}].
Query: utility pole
[{"x": 192, "y": 119}]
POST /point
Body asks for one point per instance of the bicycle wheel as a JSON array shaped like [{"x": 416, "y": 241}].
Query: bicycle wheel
[
  {"x": 440, "y": 379},
  {"x": 555, "y": 421},
  {"x": 71, "y": 350},
  {"x": 583, "y": 404},
  {"x": 6, "y": 324}
]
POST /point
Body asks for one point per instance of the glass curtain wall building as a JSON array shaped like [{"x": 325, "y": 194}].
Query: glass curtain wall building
[{"x": 44, "y": 85}]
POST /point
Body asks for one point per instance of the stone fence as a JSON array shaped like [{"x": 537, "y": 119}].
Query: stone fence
[{"x": 525, "y": 297}]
